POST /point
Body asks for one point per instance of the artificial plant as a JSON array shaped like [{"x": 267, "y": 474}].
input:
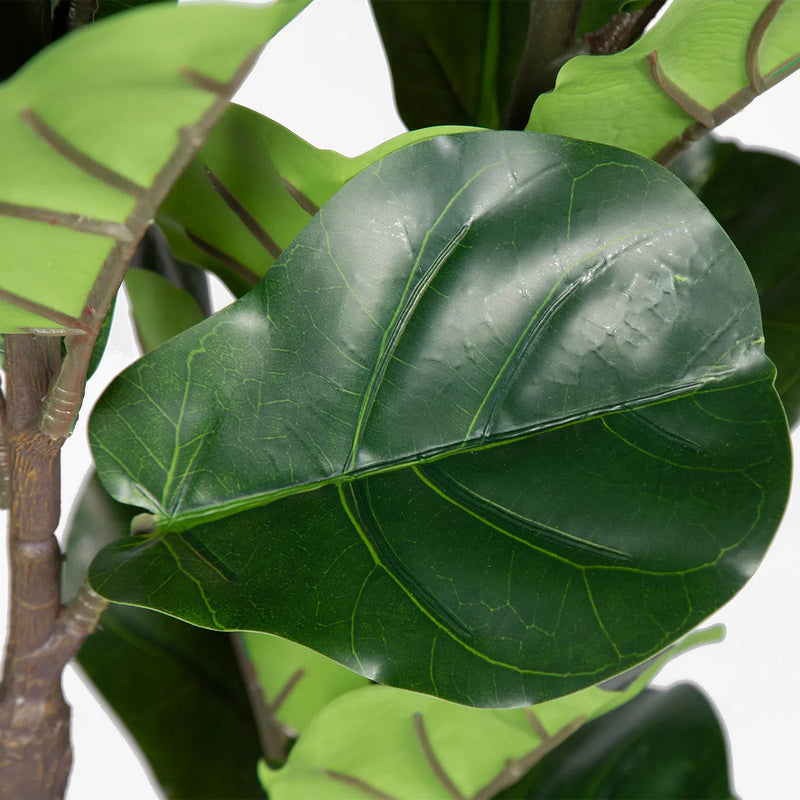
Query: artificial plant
[{"x": 493, "y": 421}]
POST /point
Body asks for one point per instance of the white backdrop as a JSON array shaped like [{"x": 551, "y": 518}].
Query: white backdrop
[{"x": 326, "y": 78}]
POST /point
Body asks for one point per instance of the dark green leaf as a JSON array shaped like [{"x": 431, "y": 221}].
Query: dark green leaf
[
  {"x": 75, "y": 193},
  {"x": 105, "y": 8},
  {"x": 25, "y": 29},
  {"x": 665, "y": 744},
  {"x": 176, "y": 688},
  {"x": 497, "y": 426},
  {"x": 153, "y": 254},
  {"x": 756, "y": 198},
  {"x": 595, "y": 14},
  {"x": 166, "y": 295},
  {"x": 453, "y": 62}
]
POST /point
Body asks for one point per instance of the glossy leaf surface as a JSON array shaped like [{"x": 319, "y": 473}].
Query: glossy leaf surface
[
  {"x": 376, "y": 737},
  {"x": 665, "y": 744},
  {"x": 756, "y": 198},
  {"x": 496, "y": 436},
  {"x": 78, "y": 190},
  {"x": 710, "y": 64},
  {"x": 250, "y": 191},
  {"x": 176, "y": 688}
]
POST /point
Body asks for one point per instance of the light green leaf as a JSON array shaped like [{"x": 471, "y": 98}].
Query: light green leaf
[
  {"x": 711, "y": 58},
  {"x": 378, "y": 737},
  {"x": 160, "y": 310},
  {"x": 78, "y": 189},
  {"x": 498, "y": 425},
  {"x": 297, "y": 682},
  {"x": 250, "y": 191}
]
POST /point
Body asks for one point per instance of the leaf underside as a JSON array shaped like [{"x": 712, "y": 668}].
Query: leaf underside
[
  {"x": 700, "y": 63},
  {"x": 496, "y": 436},
  {"x": 77, "y": 190}
]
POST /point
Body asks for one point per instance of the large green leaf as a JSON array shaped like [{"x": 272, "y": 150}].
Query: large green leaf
[
  {"x": 665, "y": 744},
  {"x": 756, "y": 198},
  {"x": 176, "y": 688},
  {"x": 95, "y": 129},
  {"x": 408, "y": 745},
  {"x": 497, "y": 425},
  {"x": 712, "y": 56},
  {"x": 250, "y": 191}
]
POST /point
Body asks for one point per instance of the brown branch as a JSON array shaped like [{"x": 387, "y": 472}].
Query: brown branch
[
  {"x": 622, "y": 30},
  {"x": 274, "y": 735},
  {"x": 549, "y": 43},
  {"x": 5, "y": 463},
  {"x": 253, "y": 226},
  {"x": 433, "y": 762},
  {"x": 35, "y": 752}
]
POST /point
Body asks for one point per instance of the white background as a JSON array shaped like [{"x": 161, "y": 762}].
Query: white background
[{"x": 326, "y": 78}]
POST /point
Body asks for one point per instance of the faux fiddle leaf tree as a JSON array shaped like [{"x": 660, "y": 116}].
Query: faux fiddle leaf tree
[{"x": 491, "y": 420}]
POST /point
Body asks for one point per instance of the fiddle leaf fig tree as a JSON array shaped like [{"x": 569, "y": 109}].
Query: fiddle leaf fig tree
[{"x": 491, "y": 422}]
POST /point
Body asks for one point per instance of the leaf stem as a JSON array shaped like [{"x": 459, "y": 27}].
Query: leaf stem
[{"x": 275, "y": 737}]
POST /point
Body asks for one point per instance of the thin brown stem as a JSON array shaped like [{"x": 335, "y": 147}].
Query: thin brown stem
[
  {"x": 303, "y": 200},
  {"x": 515, "y": 768},
  {"x": 253, "y": 226},
  {"x": 275, "y": 738},
  {"x": 365, "y": 788},
  {"x": 692, "y": 107},
  {"x": 228, "y": 261},
  {"x": 53, "y": 314},
  {"x": 433, "y": 762},
  {"x": 83, "y": 161},
  {"x": 77, "y": 222}
]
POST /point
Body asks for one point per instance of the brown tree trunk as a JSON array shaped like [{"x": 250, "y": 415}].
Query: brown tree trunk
[{"x": 35, "y": 751}]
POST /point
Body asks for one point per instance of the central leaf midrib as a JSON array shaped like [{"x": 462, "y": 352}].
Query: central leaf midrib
[{"x": 189, "y": 519}]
